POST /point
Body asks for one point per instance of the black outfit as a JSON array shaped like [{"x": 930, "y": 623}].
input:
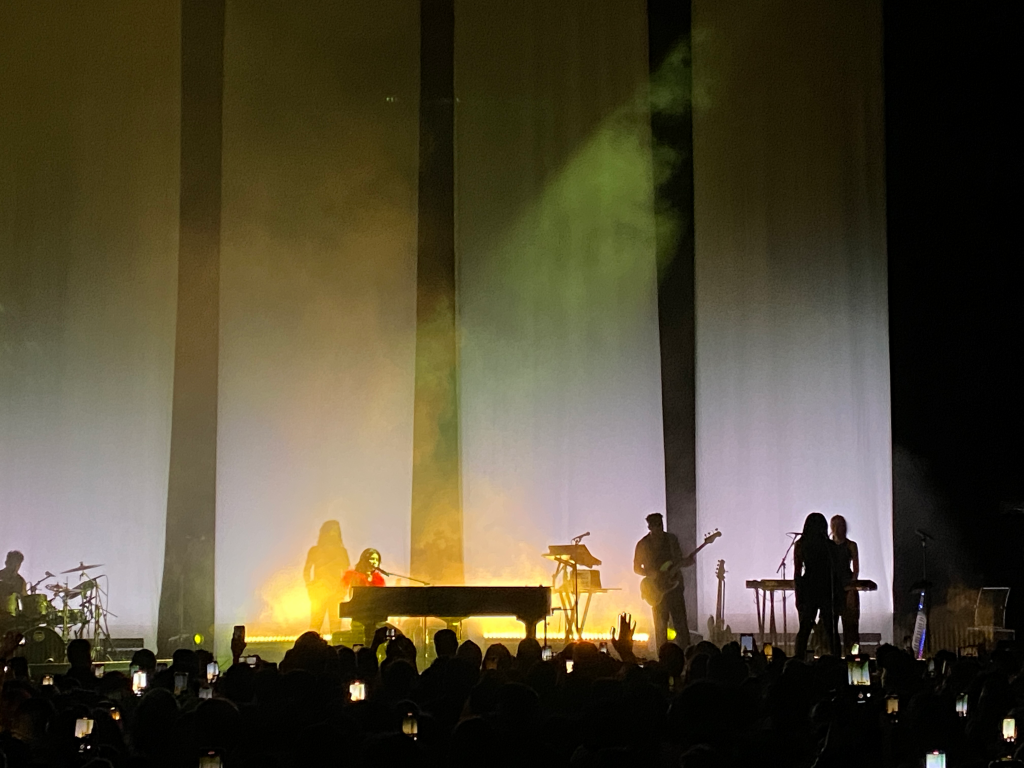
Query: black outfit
[
  {"x": 649, "y": 556},
  {"x": 11, "y": 583},
  {"x": 848, "y": 605},
  {"x": 818, "y": 589}
]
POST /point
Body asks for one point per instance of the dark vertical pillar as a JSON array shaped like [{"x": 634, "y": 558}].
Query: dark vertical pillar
[
  {"x": 436, "y": 536},
  {"x": 187, "y": 593},
  {"x": 670, "y": 67}
]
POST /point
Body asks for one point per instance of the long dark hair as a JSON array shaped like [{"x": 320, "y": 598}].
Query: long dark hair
[
  {"x": 815, "y": 526},
  {"x": 363, "y": 566},
  {"x": 330, "y": 535}
]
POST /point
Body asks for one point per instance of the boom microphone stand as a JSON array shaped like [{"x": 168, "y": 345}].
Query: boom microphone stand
[{"x": 782, "y": 567}]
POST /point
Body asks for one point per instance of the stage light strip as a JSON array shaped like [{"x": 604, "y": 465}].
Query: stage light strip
[
  {"x": 263, "y": 639},
  {"x": 639, "y": 637}
]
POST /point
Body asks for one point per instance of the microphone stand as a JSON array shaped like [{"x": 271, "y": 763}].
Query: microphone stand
[
  {"x": 400, "y": 576},
  {"x": 782, "y": 567},
  {"x": 418, "y": 581}
]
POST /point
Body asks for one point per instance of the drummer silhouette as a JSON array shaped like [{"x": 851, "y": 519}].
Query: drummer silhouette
[{"x": 12, "y": 586}]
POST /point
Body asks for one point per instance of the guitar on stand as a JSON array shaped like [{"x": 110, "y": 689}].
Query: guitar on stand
[
  {"x": 719, "y": 632},
  {"x": 654, "y": 588}
]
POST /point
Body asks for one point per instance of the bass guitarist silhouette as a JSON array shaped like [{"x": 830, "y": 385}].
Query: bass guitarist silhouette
[{"x": 659, "y": 559}]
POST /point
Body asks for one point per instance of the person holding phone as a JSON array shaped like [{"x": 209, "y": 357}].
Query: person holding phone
[
  {"x": 326, "y": 564},
  {"x": 816, "y": 561},
  {"x": 849, "y": 601}
]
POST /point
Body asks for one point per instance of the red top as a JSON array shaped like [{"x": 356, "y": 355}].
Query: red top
[{"x": 360, "y": 579}]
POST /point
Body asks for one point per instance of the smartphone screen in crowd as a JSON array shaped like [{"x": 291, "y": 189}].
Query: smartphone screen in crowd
[
  {"x": 209, "y": 760},
  {"x": 47, "y": 679},
  {"x": 83, "y": 727},
  {"x": 1009, "y": 729},
  {"x": 892, "y": 705},
  {"x": 180, "y": 682},
  {"x": 961, "y": 705},
  {"x": 747, "y": 645},
  {"x": 568, "y": 667},
  {"x": 205, "y": 692},
  {"x": 858, "y": 672},
  {"x": 357, "y": 690},
  {"x": 935, "y": 760},
  {"x": 238, "y": 633},
  {"x": 139, "y": 682},
  {"x": 212, "y": 672}
]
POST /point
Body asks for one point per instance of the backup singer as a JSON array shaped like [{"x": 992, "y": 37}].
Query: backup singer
[
  {"x": 326, "y": 563},
  {"x": 817, "y": 575},
  {"x": 849, "y": 603}
]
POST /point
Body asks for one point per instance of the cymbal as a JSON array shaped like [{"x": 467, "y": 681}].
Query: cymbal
[
  {"x": 82, "y": 567},
  {"x": 85, "y": 586}
]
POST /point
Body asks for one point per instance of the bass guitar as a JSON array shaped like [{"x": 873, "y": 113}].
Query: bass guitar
[{"x": 653, "y": 588}]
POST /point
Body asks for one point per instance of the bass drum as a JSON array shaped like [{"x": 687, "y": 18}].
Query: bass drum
[{"x": 42, "y": 646}]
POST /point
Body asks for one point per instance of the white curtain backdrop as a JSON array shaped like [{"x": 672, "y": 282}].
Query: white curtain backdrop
[
  {"x": 89, "y": 158},
  {"x": 318, "y": 291},
  {"x": 792, "y": 334},
  {"x": 560, "y": 381}
]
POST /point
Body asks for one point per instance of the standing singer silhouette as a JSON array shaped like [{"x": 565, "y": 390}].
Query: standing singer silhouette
[{"x": 325, "y": 565}]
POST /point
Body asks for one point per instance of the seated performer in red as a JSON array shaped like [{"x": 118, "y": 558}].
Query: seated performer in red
[{"x": 364, "y": 574}]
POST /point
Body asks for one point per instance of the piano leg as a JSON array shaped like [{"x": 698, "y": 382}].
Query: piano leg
[
  {"x": 530, "y": 626},
  {"x": 773, "y": 630}
]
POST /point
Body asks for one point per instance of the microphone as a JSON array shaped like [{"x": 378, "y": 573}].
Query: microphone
[
  {"x": 583, "y": 536},
  {"x": 48, "y": 575},
  {"x": 382, "y": 571},
  {"x": 924, "y": 534}
]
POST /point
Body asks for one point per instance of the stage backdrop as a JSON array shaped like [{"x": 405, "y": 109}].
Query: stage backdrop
[
  {"x": 792, "y": 333},
  {"x": 318, "y": 290},
  {"x": 89, "y": 158},
  {"x": 560, "y": 379}
]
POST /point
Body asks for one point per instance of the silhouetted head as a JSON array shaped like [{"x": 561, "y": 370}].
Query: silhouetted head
[
  {"x": 471, "y": 653},
  {"x": 330, "y": 534},
  {"x": 14, "y": 559},
  {"x": 528, "y": 653},
  {"x": 838, "y": 524},
  {"x": 79, "y": 653},
  {"x": 815, "y": 526},
  {"x": 446, "y": 643},
  {"x": 144, "y": 659},
  {"x": 369, "y": 561},
  {"x": 497, "y": 657},
  {"x": 655, "y": 523},
  {"x": 185, "y": 660}
]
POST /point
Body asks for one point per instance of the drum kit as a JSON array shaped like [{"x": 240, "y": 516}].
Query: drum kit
[{"x": 73, "y": 611}]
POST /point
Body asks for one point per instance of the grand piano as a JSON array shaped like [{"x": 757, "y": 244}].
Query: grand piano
[{"x": 371, "y": 606}]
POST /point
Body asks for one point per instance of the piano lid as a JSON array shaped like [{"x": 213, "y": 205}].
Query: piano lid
[{"x": 572, "y": 553}]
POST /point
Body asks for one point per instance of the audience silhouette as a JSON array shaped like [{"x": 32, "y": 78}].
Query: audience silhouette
[{"x": 706, "y": 707}]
